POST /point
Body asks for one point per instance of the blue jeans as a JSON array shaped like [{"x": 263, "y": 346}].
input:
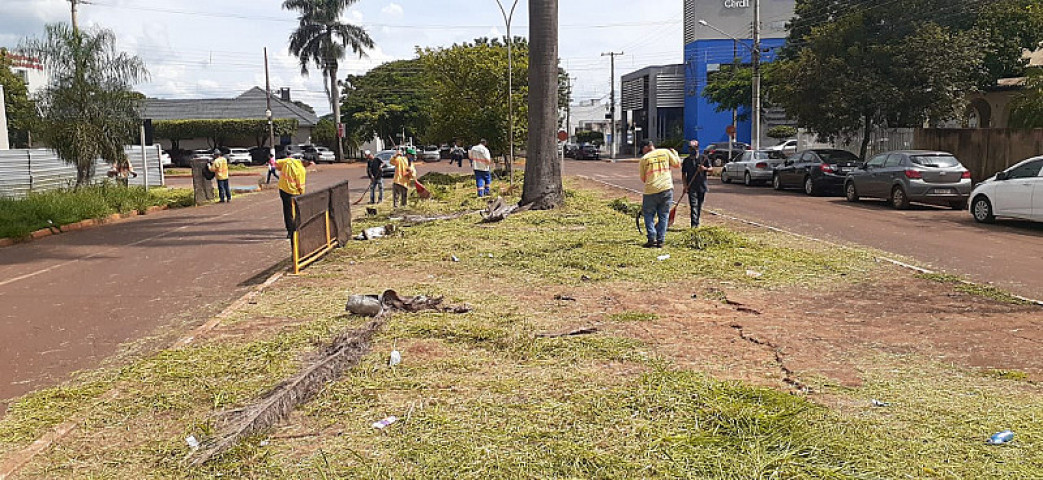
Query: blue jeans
[
  {"x": 272, "y": 172},
  {"x": 223, "y": 191},
  {"x": 376, "y": 184},
  {"x": 483, "y": 179},
  {"x": 653, "y": 207}
]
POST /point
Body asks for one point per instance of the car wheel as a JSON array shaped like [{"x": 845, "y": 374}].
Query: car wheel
[
  {"x": 776, "y": 182},
  {"x": 724, "y": 177},
  {"x": 809, "y": 187},
  {"x": 747, "y": 180},
  {"x": 850, "y": 192},
  {"x": 899, "y": 200},
  {"x": 982, "y": 210}
]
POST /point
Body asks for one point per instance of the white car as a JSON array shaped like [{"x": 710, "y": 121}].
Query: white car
[
  {"x": 1016, "y": 192},
  {"x": 326, "y": 155},
  {"x": 787, "y": 148},
  {"x": 239, "y": 156}
]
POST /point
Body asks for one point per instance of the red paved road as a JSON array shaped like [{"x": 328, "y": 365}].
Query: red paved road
[
  {"x": 1007, "y": 254},
  {"x": 71, "y": 300}
]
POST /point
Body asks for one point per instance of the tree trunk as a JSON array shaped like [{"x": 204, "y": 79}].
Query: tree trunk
[
  {"x": 543, "y": 189},
  {"x": 335, "y": 103},
  {"x": 867, "y": 131}
]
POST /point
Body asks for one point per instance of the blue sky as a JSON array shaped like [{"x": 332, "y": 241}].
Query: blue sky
[{"x": 213, "y": 48}]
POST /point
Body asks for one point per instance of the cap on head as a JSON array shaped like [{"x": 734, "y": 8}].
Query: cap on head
[
  {"x": 484, "y": 142},
  {"x": 411, "y": 151},
  {"x": 647, "y": 144},
  {"x": 367, "y": 153}
]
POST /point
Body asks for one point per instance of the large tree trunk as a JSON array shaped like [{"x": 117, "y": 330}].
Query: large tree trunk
[
  {"x": 543, "y": 189},
  {"x": 867, "y": 131}
]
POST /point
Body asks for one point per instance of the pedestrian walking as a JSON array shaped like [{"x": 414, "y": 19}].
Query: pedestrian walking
[
  {"x": 405, "y": 175},
  {"x": 220, "y": 168},
  {"x": 482, "y": 163},
  {"x": 292, "y": 182},
  {"x": 693, "y": 173},
  {"x": 457, "y": 154},
  {"x": 659, "y": 190},
  {"x": 273, "y": 169},
  {"x": 376, "y": 177}
]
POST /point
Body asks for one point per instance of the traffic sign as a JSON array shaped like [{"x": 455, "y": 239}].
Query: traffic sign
[
  {"x": 563, "y": 135},
  {"x": 730, "y": 130}
]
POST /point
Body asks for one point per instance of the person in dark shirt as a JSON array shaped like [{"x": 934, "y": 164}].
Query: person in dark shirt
[
  {"x": 693, "y": 173},
  {"x": 376, "y": 177}
]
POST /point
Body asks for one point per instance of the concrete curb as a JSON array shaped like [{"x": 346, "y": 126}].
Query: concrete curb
[
  {"x": 77, "y": 226},
  {"x": 21, "y": 458},
  {"x": 898, "y": 263}
]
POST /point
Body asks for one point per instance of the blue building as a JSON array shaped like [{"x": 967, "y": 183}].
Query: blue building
[{"x": 711, "y": 50}]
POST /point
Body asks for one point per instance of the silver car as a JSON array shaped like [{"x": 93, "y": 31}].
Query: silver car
[
  {"x": 920, "y": 176},
  {"x": 752, "y": 168}
]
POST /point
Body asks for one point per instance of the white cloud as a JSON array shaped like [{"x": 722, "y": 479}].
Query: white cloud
[{"x": 393, "y": 10}]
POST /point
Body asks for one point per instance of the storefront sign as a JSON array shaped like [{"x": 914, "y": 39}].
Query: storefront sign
[{"x": 736, "y": 3}]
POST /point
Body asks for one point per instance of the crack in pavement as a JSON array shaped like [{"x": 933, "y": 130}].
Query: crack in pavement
[{"x": 788, "y": 375}]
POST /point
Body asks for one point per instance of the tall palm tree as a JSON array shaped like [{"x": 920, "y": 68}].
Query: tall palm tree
[
  {"x": 543, "y": 188},
  {"x": 322, "y": 40}
]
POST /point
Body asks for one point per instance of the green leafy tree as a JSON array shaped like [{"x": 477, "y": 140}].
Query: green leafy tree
[
  {"x": 592, "y": 137},
  {"x": 393, "y": 98},
  {"x": 1026, "y": 109},
  {"x": 219, "y": 132},
  {"x": 89, "y": 109},
  {"x": 325, "y": 132},
  {"x": 877, "y": 65},
  {"x": 322, "y": 40},
  {"x": 732, "y": 89},
  {"x": 469, "y": 91},
  {"x": 21, "y": 110},
  {"x": 1005, "y": 28}
]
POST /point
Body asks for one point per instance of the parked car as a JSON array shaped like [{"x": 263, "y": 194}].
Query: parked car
[
  {"x": 587, "y": 152},
  {"x": 239, "y": 156},
  {"x": 1016, "y": 192},
  {"x": 919, "y": 176},
  {"x": 816, "y": 171},
  {"x": 784, "y": 149},
  {"x": 570, "y": 150},
  {"x": 165, "y": 159},
  {"x": 752, "y": 168},
  {"x": 207, "y": 154},
  {"x": 297, "y": 151},
  {"x": 326, "y": 155},
  {"x": 386, "y": 168},
  {"x": 430, "y": 153},
  {"x": 718, "y": 152}
]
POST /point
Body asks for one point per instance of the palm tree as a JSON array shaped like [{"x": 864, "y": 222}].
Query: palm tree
[
  {"x": 322, "y": 39},
  {"x": 89, "y": 109},
  {"x": 543, "y": 188}
]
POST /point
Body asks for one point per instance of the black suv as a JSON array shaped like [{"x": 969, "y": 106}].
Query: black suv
[
  {"x": 587, "y": 152},
  {"x": 718, "y": 152},
  {"x": 816, "y": 171}
]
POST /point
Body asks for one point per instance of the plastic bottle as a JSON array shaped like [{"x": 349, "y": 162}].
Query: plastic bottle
[
  {"x": 1001, "y": 438},
  {"x": 396, "y": 358},
  {"x": 385, "y": 422}
]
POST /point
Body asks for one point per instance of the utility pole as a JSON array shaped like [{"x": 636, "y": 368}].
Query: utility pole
[
  {"x": 508, "y": 18},
  {"x": 268, "y": 112},
  {"x": 612, "y": 108},
  {"x": 75, "y": 23},
  {"x": 756, "y": 75}
]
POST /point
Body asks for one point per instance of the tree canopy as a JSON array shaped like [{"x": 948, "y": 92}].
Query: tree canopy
[
  {"x": 218, "y": 132},
  {"x": 89, "y": 109},
  {"x": 21, "y": 110},
  {"x": 386, "y": 101}
]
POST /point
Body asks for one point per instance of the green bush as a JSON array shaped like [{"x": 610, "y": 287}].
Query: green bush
[{"x": 19, "y": 218}]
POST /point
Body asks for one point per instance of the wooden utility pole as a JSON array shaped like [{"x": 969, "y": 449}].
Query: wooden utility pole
[{"x": 75, "y": 22}]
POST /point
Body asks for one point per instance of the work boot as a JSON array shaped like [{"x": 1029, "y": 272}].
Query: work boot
[
  {"x": 658, "y": 244},
  {"x": 649, "y": 244}
]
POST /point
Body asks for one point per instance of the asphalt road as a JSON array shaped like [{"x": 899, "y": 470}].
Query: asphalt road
[
  {"x": 1008, "y": 254},
  {"x": 71, "y": 300}
]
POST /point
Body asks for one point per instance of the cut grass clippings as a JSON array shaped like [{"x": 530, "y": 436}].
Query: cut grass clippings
[
  {"x": 19, "y": 218},
  {"x": 975, "y": 289},
  {"x": 479, "y": 396}
]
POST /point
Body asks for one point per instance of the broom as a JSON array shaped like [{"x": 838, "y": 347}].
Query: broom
[
  {"x": 421, "y": 190},
  {"x": 673, "y": 211}
]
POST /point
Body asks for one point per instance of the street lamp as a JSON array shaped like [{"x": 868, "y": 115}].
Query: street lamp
[
  {"x": 507, "y": 19},
  {"x": 755, "y": 53}
]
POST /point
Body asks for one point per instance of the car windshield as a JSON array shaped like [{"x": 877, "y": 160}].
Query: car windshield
[
  {"x": 935, "y": 161},
  {"x": 834, "y": 156},
  {"x": 385, "y": 156}
]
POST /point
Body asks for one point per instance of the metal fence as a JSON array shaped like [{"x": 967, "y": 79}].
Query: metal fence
[
  {"x": 39, "y": 170},
  {"x": 323, "y": 222},
  {"x": 881, "y": 140}
]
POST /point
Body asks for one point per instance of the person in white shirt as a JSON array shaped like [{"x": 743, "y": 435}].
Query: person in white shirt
[{"x": 483, "y": 163}]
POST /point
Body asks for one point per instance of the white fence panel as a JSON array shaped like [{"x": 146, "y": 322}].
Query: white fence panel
[{"x": 40, "y": 170}]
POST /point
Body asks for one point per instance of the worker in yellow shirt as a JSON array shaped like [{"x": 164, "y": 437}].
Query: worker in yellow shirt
[
  {"x": 659, "y": 190},
  {"x": 220, "y": 168},
  {"x": 405, "y": 175},
  {"x": 293, "y": 175}
]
